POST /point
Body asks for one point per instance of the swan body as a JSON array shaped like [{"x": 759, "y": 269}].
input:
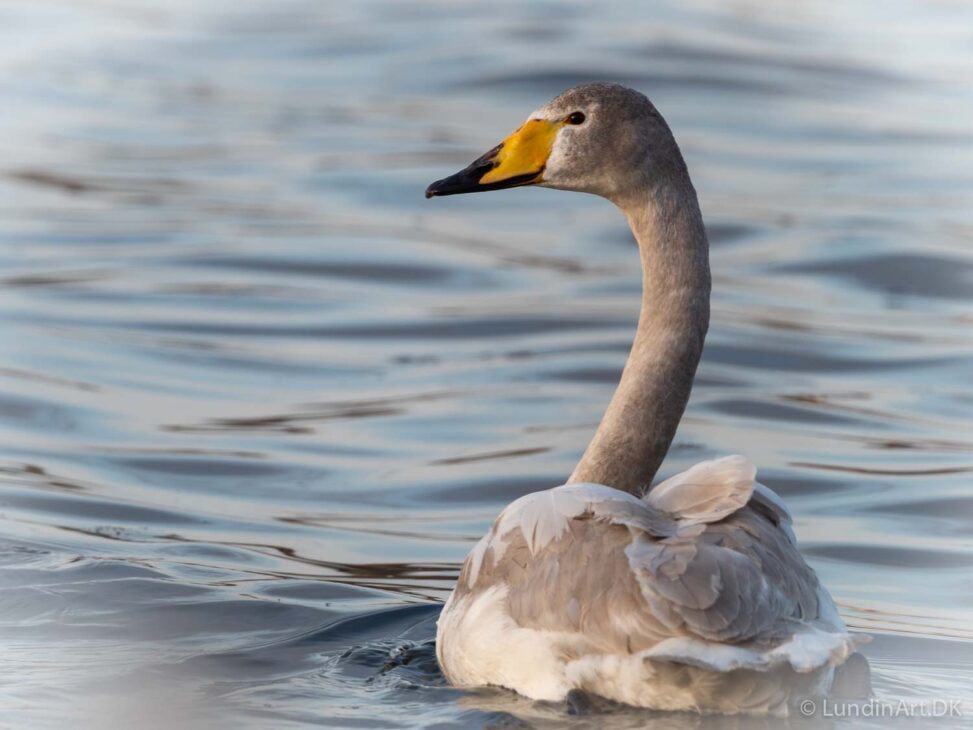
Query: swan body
[
  {"x": 693, "y": 598},
  {"x": 693, "y": 595}
]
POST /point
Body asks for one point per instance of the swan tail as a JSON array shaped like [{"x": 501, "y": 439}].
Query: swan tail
[{"x": 808, "y": 649}]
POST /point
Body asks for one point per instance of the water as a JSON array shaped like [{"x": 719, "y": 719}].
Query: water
[{"x": 258, "y": 397}]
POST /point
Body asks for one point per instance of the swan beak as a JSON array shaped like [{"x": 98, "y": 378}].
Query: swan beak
[{"x": 518, "y": 160}]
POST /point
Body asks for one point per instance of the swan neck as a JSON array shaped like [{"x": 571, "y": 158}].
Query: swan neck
[{"x": 641, "y": 420}]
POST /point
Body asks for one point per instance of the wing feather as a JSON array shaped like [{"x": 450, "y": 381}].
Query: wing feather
[
  {"x": 710, "y": 581},
  {"x": 706, "y": 492}
]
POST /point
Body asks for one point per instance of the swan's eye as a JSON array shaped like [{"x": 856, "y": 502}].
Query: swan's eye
[{"x": 576, "y": 118}]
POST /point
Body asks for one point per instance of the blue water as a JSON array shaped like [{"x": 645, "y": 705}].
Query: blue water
[{"x": 258, "y": 397}]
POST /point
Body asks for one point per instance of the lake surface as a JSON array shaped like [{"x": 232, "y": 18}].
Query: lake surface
[{"x": 258, "y": 397}]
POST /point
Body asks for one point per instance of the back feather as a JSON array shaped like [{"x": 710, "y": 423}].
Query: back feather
[{"x": 706, "y": 492}]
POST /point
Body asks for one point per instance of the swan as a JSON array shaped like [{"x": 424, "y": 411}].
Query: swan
[{"x": 693, "y": 595}]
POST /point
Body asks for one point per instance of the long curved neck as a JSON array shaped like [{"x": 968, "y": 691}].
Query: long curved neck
[{"x": 641, "y": 420}]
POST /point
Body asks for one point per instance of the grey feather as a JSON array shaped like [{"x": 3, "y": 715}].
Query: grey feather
[{"x": 624, "y": 579}]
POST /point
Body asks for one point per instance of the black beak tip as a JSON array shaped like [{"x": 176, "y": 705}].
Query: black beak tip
[
  {"x": 467, "y": 180},
  {"x": 446, "y": 186}
]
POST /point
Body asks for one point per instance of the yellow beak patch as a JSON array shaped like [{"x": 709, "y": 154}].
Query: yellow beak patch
[{"x": 524, "y": 152}]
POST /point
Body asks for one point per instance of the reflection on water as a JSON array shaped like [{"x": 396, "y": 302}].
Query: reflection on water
[{"x": 258, "y": 397}]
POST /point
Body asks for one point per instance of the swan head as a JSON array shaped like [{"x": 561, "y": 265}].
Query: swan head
[{"x": 604, "y": 139}]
